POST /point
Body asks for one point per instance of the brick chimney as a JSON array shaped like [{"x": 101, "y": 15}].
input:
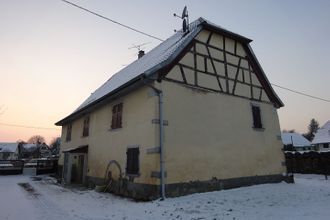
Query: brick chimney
[{"x": 141, "y": 54}]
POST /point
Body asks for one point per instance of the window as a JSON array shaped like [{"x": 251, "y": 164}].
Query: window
[
  {"x": 86, "y": 127},
  {"x": 326, "y": 145},
  {"x": 117, "y": 111},
  {"x": 256, "y": 116},
  {"x": 68, "y": 132},
  {"x": 132, "y": 166}
]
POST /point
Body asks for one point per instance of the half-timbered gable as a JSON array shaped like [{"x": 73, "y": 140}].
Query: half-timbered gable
[{"x": 220, "y": 64}]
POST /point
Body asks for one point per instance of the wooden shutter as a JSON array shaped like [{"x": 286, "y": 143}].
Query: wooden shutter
[
  {"x": 132, "y": 166},
  {"x": 117, "y": 112},
  {"x": 68, "y": 132},
  {"x": 114, "y": 117},
  {"x": 86, "y": 126}
]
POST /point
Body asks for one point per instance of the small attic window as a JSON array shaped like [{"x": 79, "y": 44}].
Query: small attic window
[{"x": 256, "y": 115}]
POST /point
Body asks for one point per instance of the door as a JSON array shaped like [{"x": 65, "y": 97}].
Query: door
[{"x": 74, "y": 168}]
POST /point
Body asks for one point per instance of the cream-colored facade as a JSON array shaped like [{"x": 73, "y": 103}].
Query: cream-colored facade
[
  {"x": 209, "y": 134},
  {"x": 106, "y": 144}
]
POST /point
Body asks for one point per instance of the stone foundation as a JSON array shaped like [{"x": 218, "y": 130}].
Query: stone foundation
[{"x": 140, "y": 191}]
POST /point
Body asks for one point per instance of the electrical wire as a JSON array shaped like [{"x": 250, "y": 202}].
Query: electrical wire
[
  {"x": 111, "y": 20},
  {"x": 149, "y": 35},
  {"x": 26, "y": 126},
  {"x": 301, "y": 93}
]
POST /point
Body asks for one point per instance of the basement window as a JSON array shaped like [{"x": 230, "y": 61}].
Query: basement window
[
  {"x": 86, "y": 126},
  {"x": 256, "y": 114},
  {"x": 117, "y": 112},
  {"x": 132, "y": 165},
  {"x": 68, "y": 132}
]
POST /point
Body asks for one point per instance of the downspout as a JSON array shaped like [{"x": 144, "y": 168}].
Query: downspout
[{"x": 161, "y": 136}]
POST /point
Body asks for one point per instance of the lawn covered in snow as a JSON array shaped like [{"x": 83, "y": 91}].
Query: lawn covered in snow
[{"x": 21, "y": 197}]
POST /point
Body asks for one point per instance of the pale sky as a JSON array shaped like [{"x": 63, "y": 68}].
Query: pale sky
[{"x": 53, "y": 55}]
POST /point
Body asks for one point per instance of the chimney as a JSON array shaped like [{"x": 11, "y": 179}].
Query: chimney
[{"x": 141, "y": 54}]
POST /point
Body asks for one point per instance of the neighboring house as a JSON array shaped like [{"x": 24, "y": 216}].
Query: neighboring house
[
  {"x": 296, "y": 142},
  {"x": 8, "y": 151},
  {"x": 35, "y": 150},
  {"x": 195, "y": 114},
  {"x": 44, "y": 150},
  {"x": 322, "y": 138}
]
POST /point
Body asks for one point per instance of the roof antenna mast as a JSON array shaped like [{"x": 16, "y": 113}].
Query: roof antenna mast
[
  {"x": 185, "y": 20},
  {"x": 139, "y": 48}
]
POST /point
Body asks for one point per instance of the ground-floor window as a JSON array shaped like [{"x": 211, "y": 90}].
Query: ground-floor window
[{"x": 132, "y": 165}]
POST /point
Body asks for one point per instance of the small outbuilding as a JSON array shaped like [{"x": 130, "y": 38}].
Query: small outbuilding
[
  {"x": 296, "y": 142},
  {"x": 9, "y": 151},
  {"x": 322, "y": 138}
]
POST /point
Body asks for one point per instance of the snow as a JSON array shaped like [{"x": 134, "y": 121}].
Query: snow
[
  {"x": 29, "y": 146},
  {"x": 143, "y": 65},
  {"x": 308, "y": 198},
  {"x": 8, "y": 147},
  {"x": 323, "y": 134},
  {"x": 297, "y": 139}
]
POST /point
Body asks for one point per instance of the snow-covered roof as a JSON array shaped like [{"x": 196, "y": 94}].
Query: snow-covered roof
[
  {"x": 145, "y": 64},
  {"x": 323, "y": 134},
  {"x": 8, "y": 147},
  {"x": 28, "y": 146},
  {"x": 297, "y": 140},
  {"x": 153, "y": 61}
]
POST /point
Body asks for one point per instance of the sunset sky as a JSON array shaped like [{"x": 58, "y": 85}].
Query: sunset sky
[{"x": 53, "y": 55}]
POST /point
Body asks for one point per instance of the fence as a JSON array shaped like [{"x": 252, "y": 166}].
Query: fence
[
  {"x": 10, "y": 167},
  {"x": 308, "y": 162},
  {"x": 33, "y": 167}
]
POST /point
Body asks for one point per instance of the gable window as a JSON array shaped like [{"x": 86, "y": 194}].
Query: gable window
[
  {"x": 117, "y": 112},
  {"x": 86, "y": 127},
  {"x": 256, "y": 114},
  {"x": 68, "y": 132},
  {"x": 132, "y": 164}
]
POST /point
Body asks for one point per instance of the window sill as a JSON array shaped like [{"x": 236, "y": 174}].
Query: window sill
[
  {"x": 133, "y": 175},
  {"x": 114, "y": 129},
  {"x": 85, "y": 136},
  {"x": 258, "y": 129}
]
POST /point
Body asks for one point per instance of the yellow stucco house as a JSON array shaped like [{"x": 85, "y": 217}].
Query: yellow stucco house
[{"x": 195, "y": 114}]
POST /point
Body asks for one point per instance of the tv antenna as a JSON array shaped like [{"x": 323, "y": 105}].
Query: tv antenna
[
  {"x": 138, "y": 46},
  {"x": 140, "y": 49},
  {"x": 185, "y": 20}
]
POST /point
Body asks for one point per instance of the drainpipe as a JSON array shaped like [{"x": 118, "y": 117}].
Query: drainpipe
[{"x": 161, "y": 137}]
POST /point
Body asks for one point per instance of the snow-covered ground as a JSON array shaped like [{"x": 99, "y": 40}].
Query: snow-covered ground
[{"x": 308, "y": 198}]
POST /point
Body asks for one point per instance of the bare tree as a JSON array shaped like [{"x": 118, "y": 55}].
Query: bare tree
[{"x": 36, "y": 139}]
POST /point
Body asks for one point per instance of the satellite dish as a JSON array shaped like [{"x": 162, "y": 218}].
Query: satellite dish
[
  {"x": 184, "y": 12},
  {"x": 184, "y": 26}
]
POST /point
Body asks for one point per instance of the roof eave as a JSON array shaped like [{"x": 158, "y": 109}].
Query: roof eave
[{"x": 127, "y": 87}]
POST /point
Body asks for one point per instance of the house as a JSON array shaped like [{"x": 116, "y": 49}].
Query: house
[
  {"x": 195, "y": 114},
  {"x": 29, "y": 150},
  {"x": 322, "y": 138},
  {"x": 296, "y": 142},
  {"x": 8, "y": 151}
]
